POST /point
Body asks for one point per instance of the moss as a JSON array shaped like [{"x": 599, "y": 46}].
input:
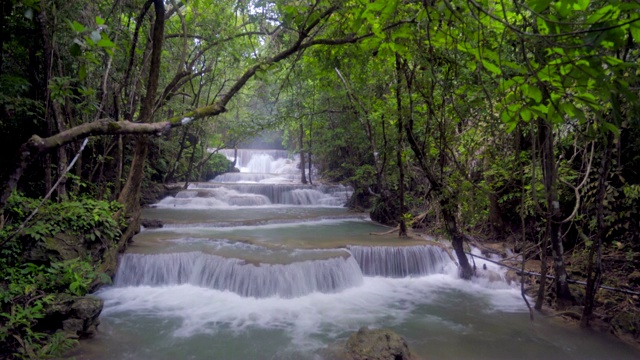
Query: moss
[{"x": 113, "y": 126}]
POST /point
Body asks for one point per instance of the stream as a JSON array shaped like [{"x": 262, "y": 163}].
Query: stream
[{"x": 255, "y": 265}]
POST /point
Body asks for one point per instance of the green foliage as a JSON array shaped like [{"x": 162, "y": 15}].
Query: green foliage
[
  {"x": 26, "y": 288},
  {"x": 86, "y": 217},
  {"x": 217, "y": 164},
  {"x": 25, "y": 297}
]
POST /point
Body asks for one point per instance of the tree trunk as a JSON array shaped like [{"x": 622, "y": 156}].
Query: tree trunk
[
  {"x": 62, "y": 153},
  {"x": 402, "y": 232},
  {"x": 187, "y": 177},
  {"x": 169, "y": 177},
  {"x": 130, "y": 195},
  {"x": 131, "y": 189},
  {"x": 303, "y": 167},
  {"x": 119, "y": 168},
  {"x": 495, "y": 216},
  {"x": 457, "y": 239},
  {"x": 553, "y": 216},
  {"x": 235, "y": 156},
  {"x": 309, "y": 150},
  {"x": 594, "y": 276},
  {"x": 440, "y": 194},
  {"x": 543, "y": 271}
]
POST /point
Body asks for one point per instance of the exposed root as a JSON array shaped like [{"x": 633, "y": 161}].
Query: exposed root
[
  {"x": 397, "y": 228},
  {"x": 568, "y": 313}
]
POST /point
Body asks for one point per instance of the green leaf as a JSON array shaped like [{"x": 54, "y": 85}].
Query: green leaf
[
  {"x": 532, "y": 92},
  {"x": 635, "y": 30},
  {"x": 525, "y": 114},
  {"x": 106, "y": 43},
  {"x": 77, "y": 27},
  {"x": 563, "y": 7},
  {"x": 99, "y": 21},
  {"x": 603, "y": 14},
  {"x": 543, "y": 28},
  {"x": 581, "y": 5},
  {"x": 75, "y": 49},
  {"x": 357, "y": 23},
  {"x": 607, "y": 126},
  {"x": 491, "y": 67},
  {"x": 82, "y": 72},
  {"x": 539, "y": 5},
  {"x": 540, "y": 109}
]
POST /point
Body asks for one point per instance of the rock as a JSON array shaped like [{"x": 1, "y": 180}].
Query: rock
[
  {"x": 379, "y": 344},
  {"x": 634, "y": 278},
  {"x": 512, "y": 277},
  {"x": 151, "y": 223},
  {"x": 60, "y": 247},
  {"x": 77, "y": 316}
]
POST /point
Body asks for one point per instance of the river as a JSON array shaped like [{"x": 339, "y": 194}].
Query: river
[{"x": 254, "y": 265}]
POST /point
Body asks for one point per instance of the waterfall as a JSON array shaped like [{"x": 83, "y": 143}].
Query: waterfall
[
  {"x": 401, "y": 261},
  {"x": 246, "y": 279},
  {"x": 245, "y": 156},
  {"x": 203, "y": 195},
  {"x": 240, "y": 177}
]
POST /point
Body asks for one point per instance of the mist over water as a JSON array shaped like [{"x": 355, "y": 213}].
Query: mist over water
[{"x": 254, "y": 265}]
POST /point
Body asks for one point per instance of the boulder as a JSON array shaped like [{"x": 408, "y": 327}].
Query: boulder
[
  {"x": 77, "y": 316},
  {"x": 378, "y": 344},
  {"x": 151, "y": 223}
]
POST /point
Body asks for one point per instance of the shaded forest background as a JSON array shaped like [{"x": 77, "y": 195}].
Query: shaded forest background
[{"x": 511, "y": 121}]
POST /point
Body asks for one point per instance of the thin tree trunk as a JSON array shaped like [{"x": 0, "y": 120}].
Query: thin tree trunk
[
  {"x": 594, "y": 276},
  {"x": 438, "y": 193},
  {"x": 119, "y": 167},
  {"x": 187, "y": 177},
  {"x": 309, "y": 154},
  {"x": 402, "y": 232},
  {"x": 302, "y": 162},
  {"x": 169, "y": 177},
  {"x": 550, "y": 177}
]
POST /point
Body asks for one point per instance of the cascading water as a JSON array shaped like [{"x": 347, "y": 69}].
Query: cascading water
[
  {"x": 396, "y": 262},
  {"x": 255, "y": 265},
  {"x": 266, "y": 177},
  {"x": 245, "y": 279}
]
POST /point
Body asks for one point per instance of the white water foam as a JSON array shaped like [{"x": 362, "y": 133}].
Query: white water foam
[{"x": 377, "y": 300}]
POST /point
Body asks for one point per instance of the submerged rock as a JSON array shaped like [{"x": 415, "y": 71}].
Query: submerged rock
[
  {"x": 378, "y": 344},
  {"x": 152, "y": 223}
]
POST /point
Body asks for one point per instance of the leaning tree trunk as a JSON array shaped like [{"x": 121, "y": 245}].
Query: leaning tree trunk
[
  {"x": 439, "y": 193},
  {"x": 438, "y": 190}
]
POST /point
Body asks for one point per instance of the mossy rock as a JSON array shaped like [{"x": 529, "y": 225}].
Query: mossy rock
[
  {"x": 627, "y": 323},
  {"x": 60, "y": 247},
  {"x": 379, "y": 344},
  {"x": 77, "y": 316}
]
